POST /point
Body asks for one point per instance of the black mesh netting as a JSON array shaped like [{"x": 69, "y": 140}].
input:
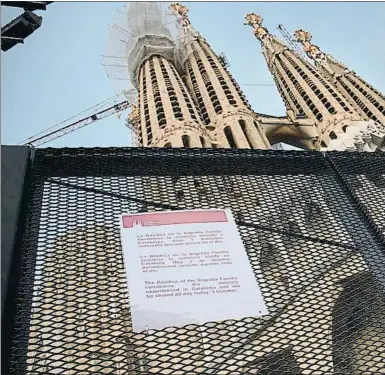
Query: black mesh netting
[{"x": 312, "y": 225}]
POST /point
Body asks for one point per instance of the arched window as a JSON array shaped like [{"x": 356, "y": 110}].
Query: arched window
[
  {"x": 229, "y": 136},
  {"x": 186, "y": 140},
  {"x": 243, "y": 126},
  {"x": 332, "y": 135},
  {"x": 168, "y": 144}
]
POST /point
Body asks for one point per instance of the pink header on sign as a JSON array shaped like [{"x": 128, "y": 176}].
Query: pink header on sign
[{"x": 174, "y": 217}]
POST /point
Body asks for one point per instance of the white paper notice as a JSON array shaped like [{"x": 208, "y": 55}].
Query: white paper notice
[{"x": 187, "y": 267}]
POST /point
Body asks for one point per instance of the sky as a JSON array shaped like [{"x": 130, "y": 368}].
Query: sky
[{"x": 57, "y": 72}]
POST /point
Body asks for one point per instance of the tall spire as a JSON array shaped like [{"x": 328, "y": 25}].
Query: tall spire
[
  {"x": 271, "y": 45},
  {"x": 307, "y": 93},
  {"x": 224, "y": 107},
  {"x": 368, "y": 101},
  {"x": 166, "y": 115}
]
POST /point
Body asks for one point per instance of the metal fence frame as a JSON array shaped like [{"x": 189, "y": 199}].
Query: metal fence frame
[{"x": 47, "y": 163}]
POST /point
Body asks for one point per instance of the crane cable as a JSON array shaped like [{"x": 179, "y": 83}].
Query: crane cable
[{"x": 93, "y": 108}]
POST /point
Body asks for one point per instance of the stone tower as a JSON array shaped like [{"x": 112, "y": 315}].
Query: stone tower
[
  {"x": 307, "y": 93},
  {"x": 166, "y": 115},
  {"x": 223, "y": 106},
  {"x": 368, "y": 101}
]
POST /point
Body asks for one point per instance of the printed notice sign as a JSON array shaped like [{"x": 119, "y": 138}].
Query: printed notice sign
[{"x": 187, "y": 267}]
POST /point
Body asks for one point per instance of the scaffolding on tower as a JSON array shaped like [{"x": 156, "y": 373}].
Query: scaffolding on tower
[{"x": 139, "y": 30}]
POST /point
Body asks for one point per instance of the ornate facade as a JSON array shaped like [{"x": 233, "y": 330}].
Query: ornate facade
[
  {"x": 308, "y": 94},
  {"x": 193, "y": 101},
  {"x": 224, "y": 107},
  {"x": 189, "y": 98},
  {"x": 368, "y": 101},
  {"x": 166, "y": 115}
]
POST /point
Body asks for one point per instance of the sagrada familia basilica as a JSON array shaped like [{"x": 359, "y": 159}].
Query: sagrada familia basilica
[{"x": 188, "y": 98}]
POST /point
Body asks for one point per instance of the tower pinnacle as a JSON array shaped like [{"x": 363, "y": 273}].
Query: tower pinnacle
[
  {"x": 255, "y": 21},
  {"x": 188, "y": 32},
  {"x": 368, "y": 101},
  {"x": 166, "y": 115},
  {"x": 307, "y": 93},
  {"x": 314, "y": 52},
  {"x": 268, "y": 41},
  {"x": 182, "y": 11},
  {"x": 227, "y": 114}
]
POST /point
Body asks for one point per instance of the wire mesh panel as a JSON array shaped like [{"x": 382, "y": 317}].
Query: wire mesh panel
[
  {"x": 364, "y": 175},
  {"x": 318, "y": 261}
]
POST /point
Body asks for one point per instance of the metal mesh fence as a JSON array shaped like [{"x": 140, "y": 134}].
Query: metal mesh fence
[
  {"x": 364, "y": 176},
  {"x": 312, "y": 225}
]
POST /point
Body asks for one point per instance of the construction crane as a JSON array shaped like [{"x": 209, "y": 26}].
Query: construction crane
[
  {"x": 40, "y": 140},
  {"x": 132, "y": 120},
  {"x": 292, "y": 43},
  {"x": 96, "y": 113}
]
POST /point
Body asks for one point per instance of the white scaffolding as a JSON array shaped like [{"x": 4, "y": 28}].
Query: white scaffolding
[{"x": 140, "y": 29}]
